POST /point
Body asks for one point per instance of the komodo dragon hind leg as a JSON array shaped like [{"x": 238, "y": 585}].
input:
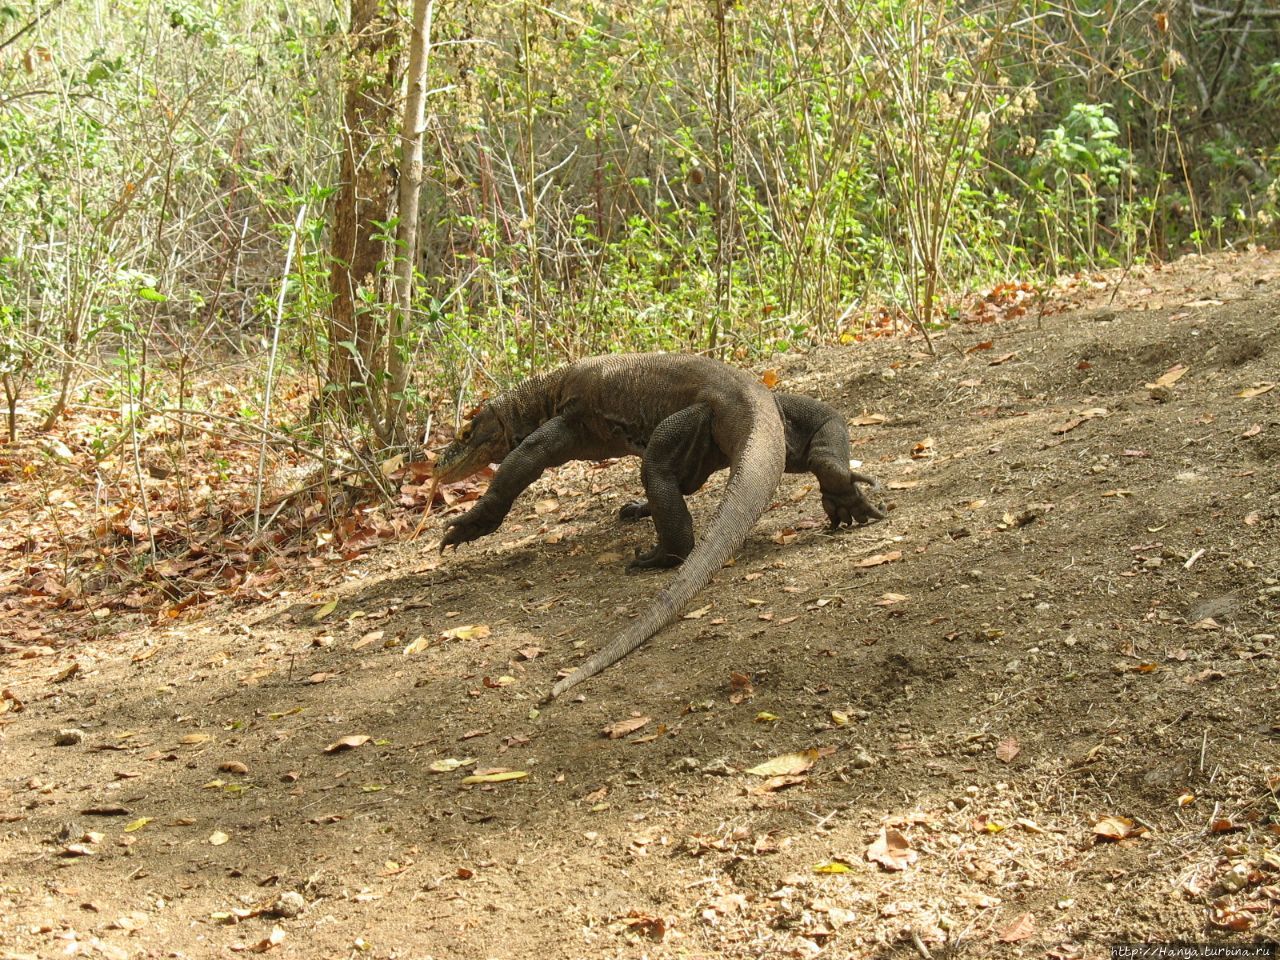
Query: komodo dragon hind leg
[{"x": 675, "y": 463}]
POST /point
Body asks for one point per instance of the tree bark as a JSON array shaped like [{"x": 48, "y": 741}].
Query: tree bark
[
  {"x": 363, "y": 200},
  {"x": 411, "y": 134}
]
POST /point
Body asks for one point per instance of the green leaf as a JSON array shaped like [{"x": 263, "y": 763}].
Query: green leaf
[{"x": 151, "y": 294}]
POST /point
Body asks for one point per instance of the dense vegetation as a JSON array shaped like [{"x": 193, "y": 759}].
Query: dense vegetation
[{"x": 736, "y": 177}]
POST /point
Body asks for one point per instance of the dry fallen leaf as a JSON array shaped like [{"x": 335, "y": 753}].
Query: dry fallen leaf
[
  {"x": 655, "y": 928},
  {"x": 788, "y": 764},
  {"x": 876, "y": 559},
  {"x": 273, "y": 939},
  {"x": 1007, "y": 749},
  {"x": 769, "y": 378},
  {"x": 449, "y": 764},
  {"x": 697, "y": 614},
  {"x": 1255, "y": 391},
  {"x": 621, "y": 728},
  {"x": 417, "y": 645},
  {"x": 218, "y": 838},
  {"x": 922, "y": 449},
  {"x": 774, "y": 784},
  {"x": 373, "y": 636},
  {"x": 1117, "y": 828},
  {"x": 869, "y": 420},
  {"x": 891, "y": 850},
  {"x": 1092, "y": 413},
  {"x": 496, "y": 776},
  {"x": 1169, "y": 377},
  {"x": 1023, "y": 926},
  {"x": 347, "y": 743},
  {"x": 469, "y": 631}
]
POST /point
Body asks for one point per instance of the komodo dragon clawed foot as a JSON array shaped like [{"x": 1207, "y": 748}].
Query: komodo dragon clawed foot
[
  {"x": 655, "y": 559},
  {"x": 472, "y": 525},
  {"x": 848, "y": 505},
  {"x": 635, "y": 510}
]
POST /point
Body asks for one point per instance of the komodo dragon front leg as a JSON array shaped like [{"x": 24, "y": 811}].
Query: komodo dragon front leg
[
  {"x": 827, "y": 458},
  {"x": 552, "y": 444}
]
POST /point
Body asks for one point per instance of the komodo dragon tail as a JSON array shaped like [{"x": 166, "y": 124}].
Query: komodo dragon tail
[{"x": 754, "y": 472}]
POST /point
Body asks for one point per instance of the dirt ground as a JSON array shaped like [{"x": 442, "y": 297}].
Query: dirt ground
[{"x": 1035, "y": 711}]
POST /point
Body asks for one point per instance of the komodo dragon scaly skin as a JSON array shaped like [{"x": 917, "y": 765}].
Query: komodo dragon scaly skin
[{"x": 686, "y": 417}]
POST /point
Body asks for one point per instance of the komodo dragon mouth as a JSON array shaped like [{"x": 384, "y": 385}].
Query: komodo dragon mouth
[{"x": 480, "y": 442}]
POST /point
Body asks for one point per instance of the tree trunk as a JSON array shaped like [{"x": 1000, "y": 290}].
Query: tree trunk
[
  {"x": 411, "y": 134},
  {"x": 366, "y": 187}
]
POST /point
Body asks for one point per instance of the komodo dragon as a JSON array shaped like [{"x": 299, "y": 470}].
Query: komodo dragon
[{"x": 687, "y": 417}]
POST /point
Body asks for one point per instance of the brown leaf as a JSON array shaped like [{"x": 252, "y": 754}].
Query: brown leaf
[
  {"x": 769, "y": 378},
  {"x": 788, "y": 764},
  {"x": 621, "y": 728},
  {"x": 922, "y": 449},
  {"x": 1003, "y": 358},
  {"x": 1256, "y": 391},
  {"x": 655, "y": 928},
  {"x": 347, "y": 743},
  {"x": 1117, "y": 828},
  {"x": 1253, "y": 431},
  {"x": 891, "y": 850},
  {"x": 984, "y": 345},
  {"x": 1169, "y": 377},
  {"x": 774, "y": 784},
  {"x": 869, "y": 420},
  {"x": 1228, "y": 918},
  {"x": 1023, "y": 926},
  {"x": 876, "y": 559},
  {"x": 1084, "y": 415},
  {"x": 1007, "y": 749}
]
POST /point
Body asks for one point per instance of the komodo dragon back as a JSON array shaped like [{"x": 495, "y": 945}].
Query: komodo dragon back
[{"x": 748, "y": 418}]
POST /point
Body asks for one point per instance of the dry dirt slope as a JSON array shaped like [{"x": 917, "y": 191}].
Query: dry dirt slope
[{"x": 1081, "y": 624}]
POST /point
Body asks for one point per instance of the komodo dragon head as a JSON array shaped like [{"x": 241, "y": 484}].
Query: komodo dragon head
[{"x": 481, "y": 440}]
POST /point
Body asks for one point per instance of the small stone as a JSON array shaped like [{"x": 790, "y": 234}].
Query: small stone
[
  {"x": 68, "y": 737},
  {"x": 1152, "y": 563},
  {"x": 686, "y": 765},
  {"x": 718, "y": 768},
  {"x": 289, "y": 905},
  {"x": 862, "y": 760},
  {"x": 1160, "y": 394}
]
